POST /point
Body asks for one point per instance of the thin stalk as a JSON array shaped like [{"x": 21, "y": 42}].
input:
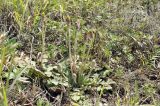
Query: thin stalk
[
  {"x": 69, "y": 44},
  {"x": 90, "y": 46},
  {"x": 2, "y": 60},
  {"x": 43, "y": 42},
  {"x": 1, "y": 69},
  {"x": 4, "y": 95}
]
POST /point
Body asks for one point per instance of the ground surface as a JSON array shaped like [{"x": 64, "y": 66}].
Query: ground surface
[{"x": 79, "y": 52}]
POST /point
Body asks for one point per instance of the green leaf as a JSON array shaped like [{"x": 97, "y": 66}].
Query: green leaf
[{"x": 38, "y": 73}]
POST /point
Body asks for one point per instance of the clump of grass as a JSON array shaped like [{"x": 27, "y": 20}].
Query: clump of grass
[{"x": 7, "y": 50}]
